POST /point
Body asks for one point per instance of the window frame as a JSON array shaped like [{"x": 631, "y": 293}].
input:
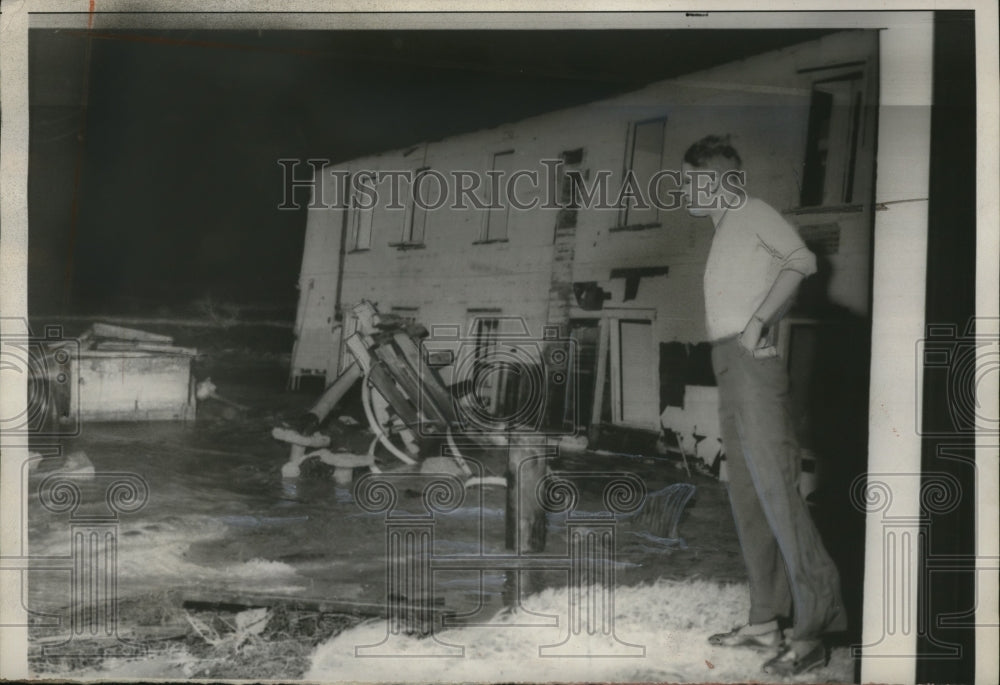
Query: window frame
[
  {"x": 485, "y": 236},
  {"x": 360, "y": 216},
  {"x": 820, "y": 188},
  {"x": 412, "y": 216},
  {"x": 625, "y": 219}
]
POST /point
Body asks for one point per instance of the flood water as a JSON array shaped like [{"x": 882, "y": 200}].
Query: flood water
[{"x": 220, "y": 524}]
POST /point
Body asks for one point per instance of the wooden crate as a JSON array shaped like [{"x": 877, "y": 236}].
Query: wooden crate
[{"x": 124, "y": 385}]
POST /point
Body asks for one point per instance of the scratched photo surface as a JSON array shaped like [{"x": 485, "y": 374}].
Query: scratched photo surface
[{"x": 426, "y": 355}]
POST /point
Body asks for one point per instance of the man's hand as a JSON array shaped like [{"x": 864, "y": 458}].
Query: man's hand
[{"x": 750, "y": 337}]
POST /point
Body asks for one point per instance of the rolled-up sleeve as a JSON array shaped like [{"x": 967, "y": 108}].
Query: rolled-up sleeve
[
  {"x": 801, "y": 260},
  {"x": 784, "y": 243}
]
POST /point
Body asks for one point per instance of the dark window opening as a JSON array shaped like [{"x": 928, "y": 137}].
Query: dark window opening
[
  {"x": 644, "y": 158},
  {"x": 832, "y": 144},
  {"x": 498, "y": 217},
  {"x": 361, "y": 222},
  {"x": 415, "y": 217}
]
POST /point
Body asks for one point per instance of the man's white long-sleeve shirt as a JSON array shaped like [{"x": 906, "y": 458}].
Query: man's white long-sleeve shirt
[{"x": 752, "y": 245}]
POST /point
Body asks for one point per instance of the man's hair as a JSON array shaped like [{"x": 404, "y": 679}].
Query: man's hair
[{"x": 713, "y": 152}]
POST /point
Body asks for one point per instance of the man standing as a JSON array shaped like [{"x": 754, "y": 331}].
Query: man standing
[{"x": 755, "y": 265}]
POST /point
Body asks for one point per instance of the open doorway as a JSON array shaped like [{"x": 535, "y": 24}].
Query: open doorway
[{"x": 634, "y": 378}]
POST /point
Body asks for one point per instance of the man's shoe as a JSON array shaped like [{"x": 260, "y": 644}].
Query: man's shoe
[
  {"x": 759, "y": 636},
  {"x": 787, "y": 662}
]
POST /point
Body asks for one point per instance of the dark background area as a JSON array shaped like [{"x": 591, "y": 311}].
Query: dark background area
[
  {"x": 947, "y": 582},
  {"x": 154, "y": 178}
]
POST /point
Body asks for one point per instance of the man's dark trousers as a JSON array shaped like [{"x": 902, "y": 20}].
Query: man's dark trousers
[{"x": 786, "y": 562}]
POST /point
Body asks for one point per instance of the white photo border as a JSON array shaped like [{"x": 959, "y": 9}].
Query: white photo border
[{"x": 899, "y": 250}]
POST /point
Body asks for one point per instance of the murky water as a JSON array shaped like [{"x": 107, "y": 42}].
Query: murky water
[{"x": 221, "y": 522}]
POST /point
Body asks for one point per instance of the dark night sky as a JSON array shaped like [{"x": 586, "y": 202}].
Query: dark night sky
[{"x": 154, "y": 178}]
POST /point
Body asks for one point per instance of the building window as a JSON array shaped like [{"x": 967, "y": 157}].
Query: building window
[
  {"x": 644, "y": 157},
  {"x": 498, "y": 218},
  {"x": 361, "y": 222},
  {"x": 572, "y": 162},
  {"x": 415, "y": 216},
  {"x": 832, "y": 145},
  {"x": 490, "y": 378}
]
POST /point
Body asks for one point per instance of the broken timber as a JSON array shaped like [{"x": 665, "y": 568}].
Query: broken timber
[
  {"x": 224, "y": 600},
  {"x": 385, "y": 357}
]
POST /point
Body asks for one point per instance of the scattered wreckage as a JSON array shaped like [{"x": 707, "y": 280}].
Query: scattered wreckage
[
  {"x": 406, "y": 402},
  {"x": 404, "y": 397}
]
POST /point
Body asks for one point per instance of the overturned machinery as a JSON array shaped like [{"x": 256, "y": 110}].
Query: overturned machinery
[
  {"x": 403, "y": 396},
  {"x": 409, "y": 406}
]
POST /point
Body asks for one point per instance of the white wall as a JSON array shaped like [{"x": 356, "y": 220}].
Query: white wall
[{"x": 762, "y": 102}]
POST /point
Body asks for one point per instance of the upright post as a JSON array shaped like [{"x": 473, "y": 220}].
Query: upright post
[{"x": 527, "y": 465}]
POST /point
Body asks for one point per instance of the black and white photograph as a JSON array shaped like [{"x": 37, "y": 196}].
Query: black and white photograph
[{"x": 493, "y": 344}]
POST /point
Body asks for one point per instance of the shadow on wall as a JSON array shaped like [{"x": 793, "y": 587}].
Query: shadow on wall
[{"x": 831, "y": 396}]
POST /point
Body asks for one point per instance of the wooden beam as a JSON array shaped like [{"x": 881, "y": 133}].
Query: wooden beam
[
  {"x": 408, "y": 380},
  {"x": 430, "y": 381},
  {"x": 525, "y": 520},
  {"x": 400, "y": 403},
  {"x": 527, "y": 465},
  {"x": 357, "y": 347},
  {"x": 336, "y": 391},
  {"x": 383, "y": 380},
  {"x": 632, "y": 274},
  {"x": 615, "y": 340},
  {"x": 239, "y": 600},
  {"x": 125, "y": 346},
  {"x": 107, "y": 330},
  {"x": 602, "y": 370}
]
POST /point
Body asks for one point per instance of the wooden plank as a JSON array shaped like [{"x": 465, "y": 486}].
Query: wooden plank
[
  {"x": 614, "y": 338},
  {"x": 366, "y": 317},
  {"x": 399, "y": 371},
  {"x": 525, "y": 520},
  {"x": 336, "y": 391},
  {"x": 410, "y": 383},
  {"x": 382, "y": 379},
  {"x": 388, "y": 383},
  {"x": 123, "y": 346},
  {"x": 602, "y": 369},
  {"x": 525, "y": 517},
  {"x": 356, "y": 346},
  {"x": 238, "y": 600},
  {"x": 400, "y": 403},
  {"x": 130, "y": 633},
  {"x": 430, "y": 381},
  {"x": 409, "y": 439},
  {"x": 107, "y": 330},
  {"x": 128, "y": 352}
]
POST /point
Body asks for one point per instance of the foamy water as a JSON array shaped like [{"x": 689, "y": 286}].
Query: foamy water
[
  {"x": 665, "y": 626},
  {"x": 156, "y": 554}
]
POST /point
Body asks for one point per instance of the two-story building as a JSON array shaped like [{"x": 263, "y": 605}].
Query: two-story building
[{"x": 622, "y": 280}]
